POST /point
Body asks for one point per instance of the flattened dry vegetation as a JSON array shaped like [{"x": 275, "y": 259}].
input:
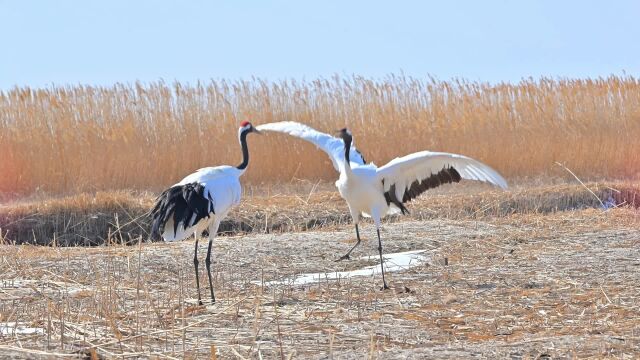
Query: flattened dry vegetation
[
  {"x": 522, "y": 285},
  {"x": 122, "y": 216}
]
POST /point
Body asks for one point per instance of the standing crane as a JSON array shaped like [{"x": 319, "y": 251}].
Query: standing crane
[
  {"x": 373, "y": 191},
  {"x": 201, "y": 200}
]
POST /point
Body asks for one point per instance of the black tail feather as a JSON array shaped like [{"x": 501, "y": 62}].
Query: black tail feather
[
  {"x": 391, "y": 198},
  {"x": 187, "y": 204}
]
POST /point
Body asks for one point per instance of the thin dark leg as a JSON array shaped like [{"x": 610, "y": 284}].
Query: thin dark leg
[
  {"x": 384, "y": 282},
  {"x": 195, "y": 263},
  {"x": 346, "y": 256},
  {"x": 208, "y": 263}
]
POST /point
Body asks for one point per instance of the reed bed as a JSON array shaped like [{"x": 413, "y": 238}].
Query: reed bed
[{"x": 63, "y": 140}]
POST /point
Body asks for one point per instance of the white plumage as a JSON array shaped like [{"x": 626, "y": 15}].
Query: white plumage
[
  {"x": 199, "y": 201},
  {"x": 421, "y": 165},
  {"x": 377, "y": 191},
  {"x": 334, "y": 147}
]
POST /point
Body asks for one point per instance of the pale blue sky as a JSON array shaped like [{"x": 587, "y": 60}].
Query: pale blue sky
[{"x": 102, "y": 42}]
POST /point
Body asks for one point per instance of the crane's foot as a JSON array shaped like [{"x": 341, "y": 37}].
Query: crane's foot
[
  {"x": 199, "y": 298},
  {"x": 206, "y": 302},
  {"x": 344, "y": 257},
  {"x": 385, "y": 287}
]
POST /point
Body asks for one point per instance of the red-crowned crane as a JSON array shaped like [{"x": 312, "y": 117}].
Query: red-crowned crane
[
  {"x": 377, "y": 191},
  {"x": 201, "y": 200}
]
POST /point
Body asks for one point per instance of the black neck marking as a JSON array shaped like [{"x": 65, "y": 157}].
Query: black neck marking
[
  {"x": 245, "y": 151},
  {"x": 347, "y": 148}
]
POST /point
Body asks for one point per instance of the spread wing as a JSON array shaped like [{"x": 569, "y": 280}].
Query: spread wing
[
  {"x": 334, "y": 147},
  {"x": 407, "y": 177}
]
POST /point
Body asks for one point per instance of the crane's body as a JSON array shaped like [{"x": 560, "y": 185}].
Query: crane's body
[
  {"x": 363, "y": 193},
  {"x": 377, "y": 191},
  {"x": 221, "y": 191},
  {"x": 201, "y": 201}
]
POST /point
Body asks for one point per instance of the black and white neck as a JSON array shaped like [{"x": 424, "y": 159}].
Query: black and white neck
[
  {"x": 347, "y": 138},
  {"x": 242, "y": 135}
]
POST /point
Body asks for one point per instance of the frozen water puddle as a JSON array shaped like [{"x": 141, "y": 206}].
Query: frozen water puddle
[
  {"x": 392, "y": 263},
  {"x": 13, "y": 328}
]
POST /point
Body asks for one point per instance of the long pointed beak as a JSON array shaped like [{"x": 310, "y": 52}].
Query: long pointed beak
[{"x": 257, "y": 131}]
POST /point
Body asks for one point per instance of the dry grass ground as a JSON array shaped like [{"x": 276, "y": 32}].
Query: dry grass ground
[{"x": 523, "y": 284}]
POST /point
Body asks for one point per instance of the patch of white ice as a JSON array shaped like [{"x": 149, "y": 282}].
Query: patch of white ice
[
  {"x": 392, "y": 263},
  {"x": 12, "y": 329}
]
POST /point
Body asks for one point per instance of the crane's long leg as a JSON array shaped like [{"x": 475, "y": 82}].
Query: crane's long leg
[
  {"x": 384, "y": 282},
  {"x": 213, "y": 230},
  {"x": 375, "y": 214},
  {"x": 346, "y": 256},
  {"x": 376, "y": 219},
  {"x": 195, "y": 264}
]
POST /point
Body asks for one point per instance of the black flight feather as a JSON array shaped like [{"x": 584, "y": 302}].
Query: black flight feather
[
  {"x": 180, "y": 202},
  {"x": 445, "y": 176}
]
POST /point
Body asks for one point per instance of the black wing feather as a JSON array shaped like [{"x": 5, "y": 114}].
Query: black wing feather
[
  {"x": 180, "y": 202},
  {"x": 361, "y": 156},
  {"x": 445, "y": 176}
]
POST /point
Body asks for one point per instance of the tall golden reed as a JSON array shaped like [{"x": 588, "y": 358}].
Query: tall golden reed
[{"x": 148, "y": 136}]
